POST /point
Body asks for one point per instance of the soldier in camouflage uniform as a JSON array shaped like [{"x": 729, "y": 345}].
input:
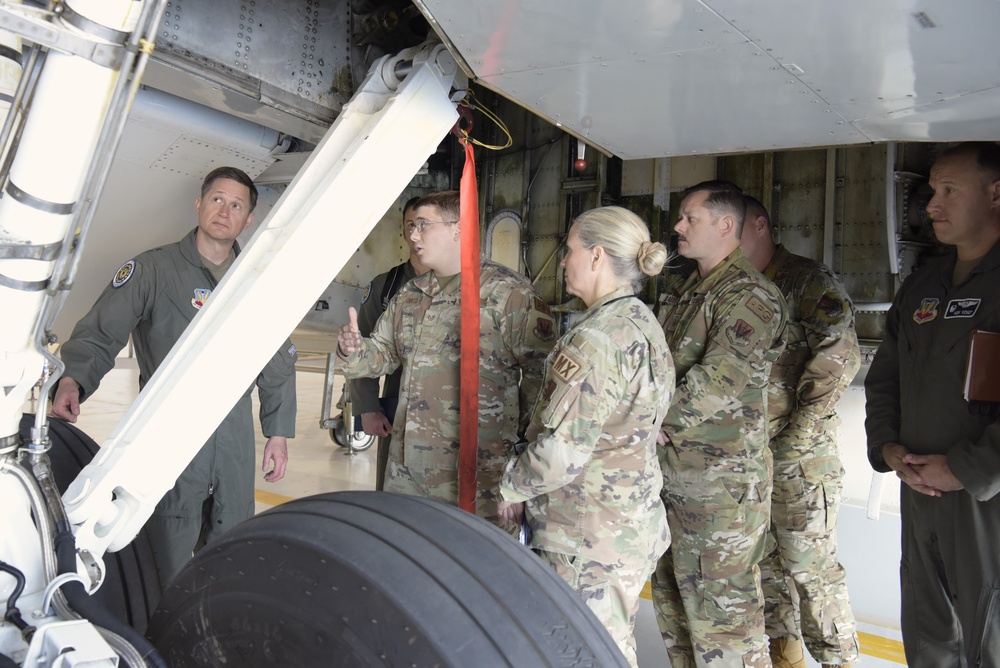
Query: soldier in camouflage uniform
[
  {"x": 724, "y": 326},
  {"x": 820, "y": 359},
  {"x": 420, "y": 332},
  {"x": 589, "y": 477}
]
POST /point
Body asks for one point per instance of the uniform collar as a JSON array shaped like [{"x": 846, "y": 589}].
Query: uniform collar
[
  {"x": 624, "y": 291},
  {"x": 430, "y": 285},
  {"x": 781, "y": 256},
  {"x": 988, "y": 262},
  {"x": 189, "y": 248},
  {"x": 706, "y": 283}
]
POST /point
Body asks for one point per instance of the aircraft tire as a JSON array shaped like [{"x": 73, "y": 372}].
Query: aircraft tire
[
  {"x": 131, "y": 585},
  {"x": 374, "y": 579}
]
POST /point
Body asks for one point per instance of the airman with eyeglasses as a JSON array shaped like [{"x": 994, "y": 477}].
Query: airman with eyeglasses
[
  {"x": 420, "y": 331},
  {"x": 420, "y": 224}
]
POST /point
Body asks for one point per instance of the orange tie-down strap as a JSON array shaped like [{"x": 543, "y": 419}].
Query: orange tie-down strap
[{"x": 468, "y": 450}]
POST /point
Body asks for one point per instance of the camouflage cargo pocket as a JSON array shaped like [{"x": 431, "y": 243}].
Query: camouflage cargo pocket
[
  {"x": 827, "y": 474},
  {"x": 727, "y": 563},
  {"x": 807, "y": 502}
]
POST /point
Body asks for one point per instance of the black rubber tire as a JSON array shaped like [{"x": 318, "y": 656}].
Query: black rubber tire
[
  {"x": 131, "y": 586},
  {"x": 374, "y": 579}
]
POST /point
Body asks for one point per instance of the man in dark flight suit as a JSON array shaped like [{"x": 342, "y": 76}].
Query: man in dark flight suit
[{"x": 944, "y": 448}]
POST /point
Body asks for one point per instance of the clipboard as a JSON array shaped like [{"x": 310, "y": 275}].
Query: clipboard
[{"x": 982, "y": 367}]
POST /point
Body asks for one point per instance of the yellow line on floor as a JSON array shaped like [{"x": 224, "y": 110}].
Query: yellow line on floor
[
  {"x": 270, "y": 498},
  {"x": 871, "y": 644},
  {"x": 882, "y": 648}
]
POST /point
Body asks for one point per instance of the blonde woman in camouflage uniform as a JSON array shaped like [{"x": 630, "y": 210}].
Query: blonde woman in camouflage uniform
[{"x": 589, "y": 481}]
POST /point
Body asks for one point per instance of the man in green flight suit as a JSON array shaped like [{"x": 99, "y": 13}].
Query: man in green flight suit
[{"x": 152, "y": 298}]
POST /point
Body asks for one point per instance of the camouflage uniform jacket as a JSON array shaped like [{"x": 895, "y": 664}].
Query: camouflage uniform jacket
[
  {"x": 725, "y": 332},
  {"x": 821, "y": 354},
  {"x": 364, "y": 391},
  {"x": 590, "y": 476},
  {"x": 420, "y": 332}
]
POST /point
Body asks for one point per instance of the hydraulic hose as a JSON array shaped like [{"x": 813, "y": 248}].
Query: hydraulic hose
[{"x": 81, "y": 602}]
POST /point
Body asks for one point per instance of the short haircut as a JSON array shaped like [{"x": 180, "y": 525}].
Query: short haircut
[
  {"x": 233, "y": 174},
  {"x": 724, "y": 198},
  {"x": 447, "y": 202},
  {"x": 625, "y": 238},
  {"x": 410, "y": 204},
  {"x": 713, "y": 185},
  {"x": 987, "y": 154},
  {"x": 755, "y": 208}
]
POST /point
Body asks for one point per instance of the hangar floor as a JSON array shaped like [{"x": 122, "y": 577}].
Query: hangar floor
[{"x": 317, "y": 464}]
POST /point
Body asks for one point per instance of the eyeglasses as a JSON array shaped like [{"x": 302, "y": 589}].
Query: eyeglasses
[{"x": 420, "y": 224}]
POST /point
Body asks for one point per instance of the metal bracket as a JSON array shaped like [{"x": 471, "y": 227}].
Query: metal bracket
[
  {"x": 45, "y": 252},
  {"x": 39, "y": 26}
]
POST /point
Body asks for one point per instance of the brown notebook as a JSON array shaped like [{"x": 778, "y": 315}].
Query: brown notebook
[{"x": 982, "y": 372}]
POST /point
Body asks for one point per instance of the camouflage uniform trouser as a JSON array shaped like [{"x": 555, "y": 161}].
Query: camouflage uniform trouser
[
  {"x": 611, "y": 591},
  {"x": 804, "y": 506},
  {"x": 706, "y": 588},
  {"x": 442, "y": 485}
]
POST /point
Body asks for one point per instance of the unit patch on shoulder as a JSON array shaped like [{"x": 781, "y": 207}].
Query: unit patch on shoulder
[
  {"x": 760, "y": 309},
  {"x": 962, "y": 308},
  {"x": 201, "y": 296},
  {"x": 123, "y": 274},
  {"x": 292, "y": 350},
  {"x": 739, "y": 333},
  {"x": 565, "y": 368},
  {"x": 543, "y": 329},
  {"x": 927, "y": 311},
  {"x": 367, "y": 293},
  {"x": 832, "y": 307}
]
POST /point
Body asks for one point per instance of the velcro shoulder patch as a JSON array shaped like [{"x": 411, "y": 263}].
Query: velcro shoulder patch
[
  {"x": 565, "y": 367},
  {"x": 760, "y": 309},
  {"x": 739, "y": 333},
  {"x": 831, "y": 307},
  {"x": 124, "y": 273}
]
